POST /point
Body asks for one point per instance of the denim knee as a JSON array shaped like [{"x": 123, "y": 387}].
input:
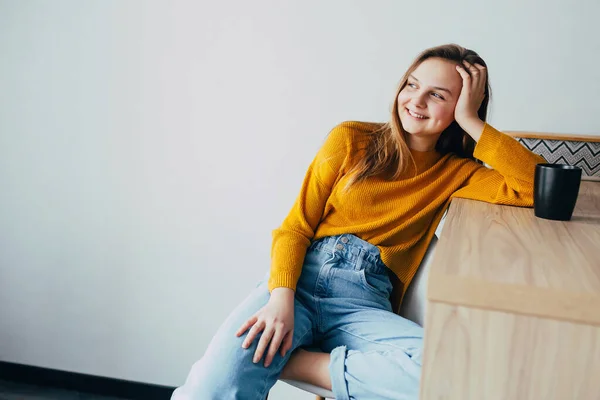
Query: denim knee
[{"x": 231, "y": 375}]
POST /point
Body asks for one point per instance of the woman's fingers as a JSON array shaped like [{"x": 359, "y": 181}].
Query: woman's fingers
[
  {"x": 472, "y": 69},
  {"x": 479, "y": 81},
  {"x": 475, "y": 78},
  {"x": 255, "y": 330},
  {"x": 287, "y": 343},
  {"x": 275, "y": 321},
  {"x": 464, "y": 75},
  {"x": 482, "y": 75},
  {"x": 262, "y": 343},
  {"x": 462, "y": 70},
  {"x": 246, "y": 325},
  {"x": 274, "y": 346},
  {"x": 474, "y": 72}
]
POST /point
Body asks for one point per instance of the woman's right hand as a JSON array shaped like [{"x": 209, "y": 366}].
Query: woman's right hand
[{"x": 276, "y": 321}]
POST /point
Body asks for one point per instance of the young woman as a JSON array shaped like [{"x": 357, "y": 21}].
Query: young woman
[{"x": 368, "y": 208}]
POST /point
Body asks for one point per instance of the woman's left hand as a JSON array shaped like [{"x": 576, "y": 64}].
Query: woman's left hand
[{"x": 471, "y": 94}]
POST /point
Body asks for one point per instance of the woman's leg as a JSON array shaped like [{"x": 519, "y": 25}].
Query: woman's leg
[
  {"x": 375, "y": 354},
  {"x": 226, "y": 370},
  {"x": 382, "y": 368},
  {"x": 308, "y": 366}
]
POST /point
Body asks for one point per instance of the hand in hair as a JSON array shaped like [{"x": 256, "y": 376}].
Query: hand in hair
[{"x": 471, "y": 96}]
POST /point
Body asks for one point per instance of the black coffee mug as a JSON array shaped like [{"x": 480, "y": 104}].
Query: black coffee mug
[{"x": 555, "y": 191}]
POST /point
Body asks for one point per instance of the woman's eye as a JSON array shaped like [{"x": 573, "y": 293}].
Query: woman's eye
[
  {"x": 412, "y": 85},
  {"x": 437, "y": 95}
]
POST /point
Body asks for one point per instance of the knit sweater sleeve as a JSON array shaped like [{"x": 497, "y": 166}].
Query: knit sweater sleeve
[
  {"x": 292, "y": 238},
  {"x": 510, "y": 182}
]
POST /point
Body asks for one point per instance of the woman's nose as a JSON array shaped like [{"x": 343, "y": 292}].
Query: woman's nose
[{"x": 418, "y": 100}]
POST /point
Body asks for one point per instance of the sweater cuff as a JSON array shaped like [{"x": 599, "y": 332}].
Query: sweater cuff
[
  {"x": 287, "y": 257},
  {"x": 282, "y": 280}
]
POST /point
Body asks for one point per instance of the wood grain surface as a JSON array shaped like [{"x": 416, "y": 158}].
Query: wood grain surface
[
  {"x": 480, "y": 354},
  {"x": 504, "y": 258},
  {"x": 554, "y": 136}
]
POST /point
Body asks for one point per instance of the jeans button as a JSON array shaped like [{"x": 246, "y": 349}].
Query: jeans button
[
  {"x": 344, "y": 239},
  {"x": 339, "y": 246}
]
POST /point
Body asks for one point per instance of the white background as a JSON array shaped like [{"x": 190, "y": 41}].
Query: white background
[{"x": 149, "y": 148}]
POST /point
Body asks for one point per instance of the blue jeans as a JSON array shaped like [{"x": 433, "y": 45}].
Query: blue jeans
[{"x": 341, "y": 306}]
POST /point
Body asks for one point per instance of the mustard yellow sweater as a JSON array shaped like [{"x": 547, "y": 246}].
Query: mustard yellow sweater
[{"x": 399, "y": 217}]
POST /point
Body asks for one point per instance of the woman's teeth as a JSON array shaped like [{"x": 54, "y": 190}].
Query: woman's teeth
[{"x": 415, "y": 114}]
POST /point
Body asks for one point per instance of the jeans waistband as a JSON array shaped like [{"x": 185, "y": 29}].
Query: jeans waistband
[{"x": 353, "y": 249}]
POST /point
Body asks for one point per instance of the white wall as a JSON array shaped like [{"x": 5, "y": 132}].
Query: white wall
[{"x": 147, "y": 149}]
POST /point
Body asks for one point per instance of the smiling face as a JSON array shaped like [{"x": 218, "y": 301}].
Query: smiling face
[{"x": 426, "y": 103}]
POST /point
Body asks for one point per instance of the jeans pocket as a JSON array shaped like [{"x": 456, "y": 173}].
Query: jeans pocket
[{"x": 377, "y": 283}]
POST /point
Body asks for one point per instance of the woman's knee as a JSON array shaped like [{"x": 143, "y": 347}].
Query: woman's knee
[
  {"x": 204, "y": 381},
  {"x": 223, "y": 372}
]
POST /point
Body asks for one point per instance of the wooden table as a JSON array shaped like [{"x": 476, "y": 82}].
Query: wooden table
[{"x": 513, "y": 306}]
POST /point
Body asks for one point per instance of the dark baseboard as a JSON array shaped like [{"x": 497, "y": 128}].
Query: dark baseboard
[{"x": 82, "y": 382}]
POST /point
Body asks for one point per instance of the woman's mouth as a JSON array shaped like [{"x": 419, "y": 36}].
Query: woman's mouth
[{"x": 415, "y": 115}]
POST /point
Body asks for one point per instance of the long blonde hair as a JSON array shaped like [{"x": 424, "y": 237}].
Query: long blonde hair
[{"x": 387, "y": 153}]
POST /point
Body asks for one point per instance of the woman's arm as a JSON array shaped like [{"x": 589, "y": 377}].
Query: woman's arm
[
  {"x": 511, "y": 179},
  {"x": 276, "y": 319},
  {"x": 292, "y": 238}
]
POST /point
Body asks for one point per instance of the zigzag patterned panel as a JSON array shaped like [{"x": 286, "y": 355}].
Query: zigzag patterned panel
[{"x": 582, "y": 154}]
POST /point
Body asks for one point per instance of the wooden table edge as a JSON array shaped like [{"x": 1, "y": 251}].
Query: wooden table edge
[{"x": 518, "y": 299}]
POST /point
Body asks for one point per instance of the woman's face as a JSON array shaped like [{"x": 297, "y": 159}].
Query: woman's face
[{"x": 426, "y": 104}]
